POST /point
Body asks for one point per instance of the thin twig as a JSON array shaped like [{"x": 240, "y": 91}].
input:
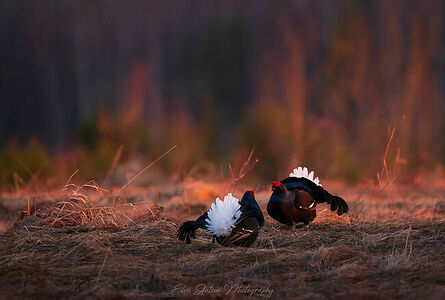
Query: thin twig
[
  {"x": 385, "y": 166},
  {"x": 244, "y": 170},
  {"x": 71, "y": 177},
  {"x": 146, "y": 168},
  {"x": 113, "y": 164},
  {"x": 102, "y": 267},
  {"x": 34, "y": 177}
]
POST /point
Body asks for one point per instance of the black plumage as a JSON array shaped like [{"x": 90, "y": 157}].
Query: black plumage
[
  {"x": 244, "y": 231},
  {"x": 318, "y": 193},
  {"x": 294, "y": 200}
]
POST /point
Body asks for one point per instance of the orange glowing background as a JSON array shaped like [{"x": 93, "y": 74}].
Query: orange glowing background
[{"x": 335, "y": 85}]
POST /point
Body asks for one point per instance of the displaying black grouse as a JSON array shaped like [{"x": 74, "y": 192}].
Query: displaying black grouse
[
  {"x": 232, "y": 222},
  {"x": 295, "y": 198}
]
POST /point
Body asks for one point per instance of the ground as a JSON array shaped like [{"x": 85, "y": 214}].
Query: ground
[{"x": 76, "y": 244}]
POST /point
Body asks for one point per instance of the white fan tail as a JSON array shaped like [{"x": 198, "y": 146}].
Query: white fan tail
[
  {"x": 301, "y": 172},
  {"x": 223, "y": 215}
]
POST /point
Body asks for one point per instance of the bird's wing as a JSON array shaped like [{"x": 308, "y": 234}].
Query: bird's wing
[
  {"x": 244, "y": 234},
  {"x": 297, "y": 183},
  {"x": 303, "y": 200},
  {"x": 248, "y": 211},
  {"x": 317, "y": 192}
]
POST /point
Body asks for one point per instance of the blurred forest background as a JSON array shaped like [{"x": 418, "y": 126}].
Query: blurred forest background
[{"x": 317, "y": 83}]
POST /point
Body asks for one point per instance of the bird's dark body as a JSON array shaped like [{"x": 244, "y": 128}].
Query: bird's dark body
[
  {"x": 245, "y": 230},
  {"x": 294, "y": 200},
  {"x": 244, "y": 234},
  {"x": 294, "y": 207},
  {"x": 318, "y": 193}
]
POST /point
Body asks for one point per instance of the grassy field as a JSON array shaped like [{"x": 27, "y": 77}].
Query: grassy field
[{"x": 86, "y": 243}]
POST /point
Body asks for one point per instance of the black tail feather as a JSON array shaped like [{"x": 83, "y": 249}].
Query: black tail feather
[
  {"x": 336, "y": 203},
  {"x": 342, "y": 205},
  {"x": 187, "y": 231}
]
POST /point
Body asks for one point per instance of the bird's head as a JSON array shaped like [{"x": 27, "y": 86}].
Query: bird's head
[
  {"x": 276, "y": 185},
  {"x": 249, "y": 200},
  {"x": 249, "y": 197}
]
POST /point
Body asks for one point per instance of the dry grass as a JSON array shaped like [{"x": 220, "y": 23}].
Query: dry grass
[{"x": 390, "y": 245}]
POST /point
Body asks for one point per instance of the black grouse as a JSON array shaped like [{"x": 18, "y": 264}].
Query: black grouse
[
  {"x": 294, "y": 199},
  {"x": 231, "y": 222}
]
